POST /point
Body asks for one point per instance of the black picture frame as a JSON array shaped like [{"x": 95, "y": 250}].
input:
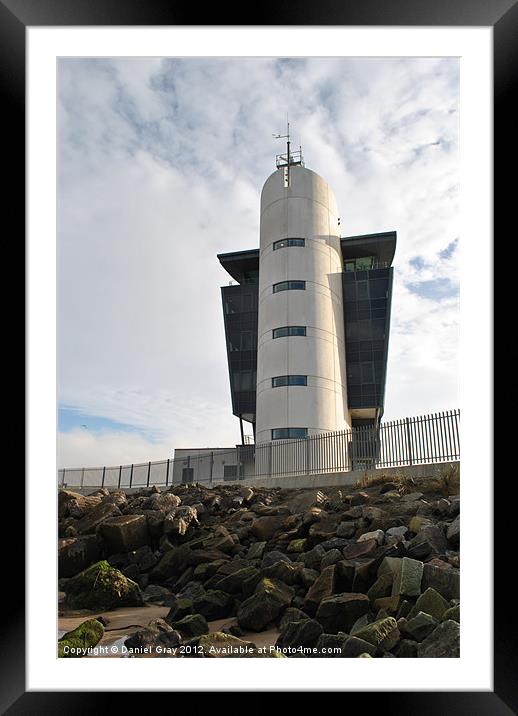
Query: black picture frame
[{"x": 502, "y": 15}]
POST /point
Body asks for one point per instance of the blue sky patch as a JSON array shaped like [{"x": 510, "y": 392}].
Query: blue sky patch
[
  {"x": 437, "y": 289},
  {"x": 72, "y": 419}
]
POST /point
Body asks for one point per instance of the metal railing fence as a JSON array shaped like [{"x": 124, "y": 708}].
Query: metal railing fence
[{"x": 408, "y": 441}]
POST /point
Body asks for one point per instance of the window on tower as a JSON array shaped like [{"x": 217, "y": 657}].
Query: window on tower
[
  {"x": 289, "y": 331},
  {"x": 283, "y": 243},
  {"x": 282, "y": 380},
  {"x": 289, "y": 286},
  {"x": 289, "y": 433}
]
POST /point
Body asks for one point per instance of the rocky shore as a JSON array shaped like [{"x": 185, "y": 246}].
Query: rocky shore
[{"x": 370, "y": 571}]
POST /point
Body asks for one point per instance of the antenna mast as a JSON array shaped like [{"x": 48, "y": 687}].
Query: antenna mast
[{"x": 288, "y": 159}]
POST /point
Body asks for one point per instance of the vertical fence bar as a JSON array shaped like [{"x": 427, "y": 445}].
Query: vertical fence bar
[
  {"x": 148, "y": 473},
  {"x": 131, "y": 476},
  {"x": 63, "y": 478},
  {"x": 82, "y": 476},
  {"x": 167, "y": 474},
  {"x": 104, "y": 475},
  {"x": 120, "y": 476},
  {"x": 409, "y": 443},
  {"x": 450, "y": 434},
  {"x": 444, "y": 452}
]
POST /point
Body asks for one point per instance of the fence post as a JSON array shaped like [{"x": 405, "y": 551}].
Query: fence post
[
  {"x": 104, "y": 473},
  {"x": 167, "y": 474},
  {"x": 409, "y": 441},
  {"x": 82, "y": 476},
  {"x": 148, "y": 473},
  {"x": 120, "y": 476},
  {"x": 63, "y": 478},
  {"x": 131, "y": 475},
  {"x": 211, "y": 465}
]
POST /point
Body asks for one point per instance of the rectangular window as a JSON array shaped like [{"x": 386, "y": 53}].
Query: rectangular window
[
  {"x": 283, "y": 243},
  {"x": 282, "y": 380},
  {"x": 289, "y": 433},
  {"x": 289, "y": 331},
  {"x": 289, "y": 286}
]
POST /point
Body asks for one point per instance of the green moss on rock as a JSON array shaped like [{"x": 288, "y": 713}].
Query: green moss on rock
[
  {"x": 102, "y": 587},
  {"x": 75, "y": 643}
]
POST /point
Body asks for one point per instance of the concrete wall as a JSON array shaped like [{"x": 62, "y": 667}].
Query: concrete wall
[
  {"x": 199, "y": 459},
  {"x": 337, "y": 479},
  {"x": 307, "y": 209}
]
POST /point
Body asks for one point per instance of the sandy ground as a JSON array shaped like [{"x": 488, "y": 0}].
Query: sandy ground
[{"x": 127, "y": 620}]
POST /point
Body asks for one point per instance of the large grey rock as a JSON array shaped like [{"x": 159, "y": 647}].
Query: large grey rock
[
  {"x": 287, "y": 572},
  {"x": 76, "y": 554},
  {"x": 407, "y": 578},
  {"x": 162, "y": 501},
  {"x": 123, "y": 533},
  {"x": 445, "y": 580},
  {"x": 453, "y": 532},
  {"x": 270, "y": 598},
  {"x": 304, "y": 633},
  {"x": 88, "y": 524},
  {"x": 340, "y": 611},
  {"x": 331, "y": 557},
  {"x": 192, "y": 625},
  {"x": 273, "y": 557},
  {"x": 430, "y": 602},
  {"x": 233, "y": 583},
  {"x": 264, "y": 528},
  {"x": 420, "y": 626},
  {"x": 179, "y": 519},
  {"x": 321, "y": 588},
  {"x": 430, "y": 541},
  {"x": 313, "y": 558},
  {"x": 377, "y": 535},
  {"x": 256, "y": 550},
  {"x": 302, "y": 502},
  {"x": 213, "y": 604},
  {"x": 443, "y": 642},
  {"x": 346, "y": 529},
  {"x": 383, "y": 633},
  {"x": 72, "y": 504}
]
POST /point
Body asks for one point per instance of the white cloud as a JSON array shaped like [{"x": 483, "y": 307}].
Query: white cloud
[{"x": 161, "y": 166}]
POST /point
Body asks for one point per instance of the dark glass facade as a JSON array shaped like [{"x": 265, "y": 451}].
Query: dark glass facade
[
  {"x": 240, "y": 315},
  {"x": 367, "y": 295},
  {"x": 367, "y": 290}
]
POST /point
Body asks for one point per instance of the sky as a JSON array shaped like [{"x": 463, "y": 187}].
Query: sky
[{"x": 161, "y": 163}]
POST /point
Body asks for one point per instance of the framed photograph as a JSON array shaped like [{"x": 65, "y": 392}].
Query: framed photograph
[{"x": 171, "y": 285}]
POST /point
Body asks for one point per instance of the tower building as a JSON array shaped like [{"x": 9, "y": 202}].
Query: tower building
[{"x": 307, "y": 323}]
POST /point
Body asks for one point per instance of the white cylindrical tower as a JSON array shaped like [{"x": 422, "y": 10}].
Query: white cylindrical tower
[{"x": 301, "y": 373}]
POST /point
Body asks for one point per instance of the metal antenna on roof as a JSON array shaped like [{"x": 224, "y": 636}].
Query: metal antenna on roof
[{"x": 288, "y": 159}]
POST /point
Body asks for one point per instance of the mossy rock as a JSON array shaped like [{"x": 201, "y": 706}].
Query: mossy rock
[
  {"x": 452, "y": 613},
  {"x": 75, "y": 643},
  {"x": 192, "y": 625},
  {"x": 179, "y": 609},
  {"x": 383, "y": 633},
  {"x": 430, "y": 602},
  {"x": 102, "y": 587},
  {"x": 297, "y": 546}
]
